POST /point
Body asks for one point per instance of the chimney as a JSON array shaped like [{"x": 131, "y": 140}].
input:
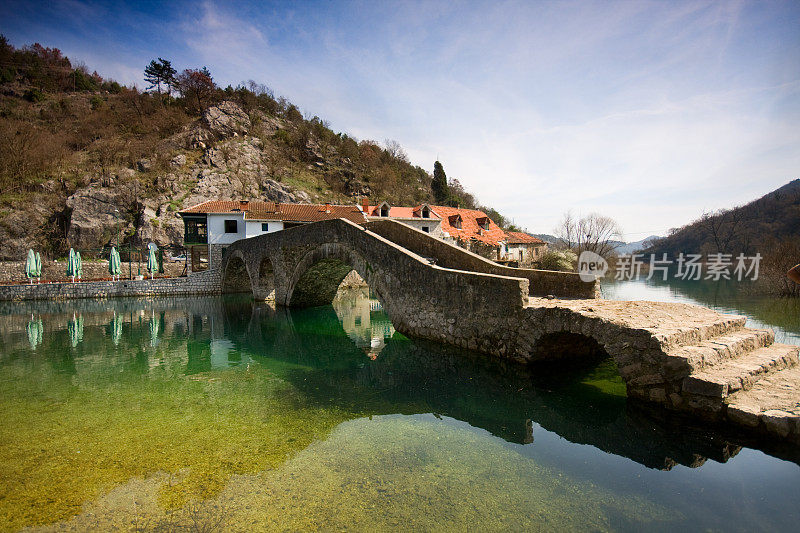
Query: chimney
[
  {"x": 328, "y": 208},
  {"x": 365, "y": 205}
]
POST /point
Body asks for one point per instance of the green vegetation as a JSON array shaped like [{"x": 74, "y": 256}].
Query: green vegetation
[
  {"x": 563, "y": 260},
  {"x": 158, "y": 73},
  {"x": 441, "y": 194}
]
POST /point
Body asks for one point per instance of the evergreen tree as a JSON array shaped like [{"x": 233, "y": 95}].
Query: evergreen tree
[
  {"x": 158, "y": 72},
  {"x": 441, "y": 192}
]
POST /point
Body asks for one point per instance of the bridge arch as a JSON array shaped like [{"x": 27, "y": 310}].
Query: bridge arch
[
  {"x": 317, "y": 276},
  {"x": 264, "y": 285},
  {"x": 235, "y": 277},
  {"x": 558, "y": 345}
]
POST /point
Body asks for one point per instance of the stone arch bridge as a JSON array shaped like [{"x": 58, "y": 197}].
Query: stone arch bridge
[{"x": 683, "y": 357}]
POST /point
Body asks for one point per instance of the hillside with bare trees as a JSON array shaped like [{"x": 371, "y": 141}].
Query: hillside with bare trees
[
  {"x": 769, "y": 226},
  {"x": 85, "y": 160}
]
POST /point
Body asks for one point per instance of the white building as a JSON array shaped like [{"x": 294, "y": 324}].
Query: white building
[{"x": 211, "y": 226}]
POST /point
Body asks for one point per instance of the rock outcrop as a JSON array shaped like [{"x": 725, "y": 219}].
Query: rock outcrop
[
  {"x": 233, "y": 165},
  {"x": 226, "y": 119},
  {"x": 98, "y": 213},
  {"x": 226, "y": 154}
]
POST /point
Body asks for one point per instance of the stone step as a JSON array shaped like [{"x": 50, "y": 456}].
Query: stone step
[
  {"x": 772, "y": 405},
  {"x": 694, "y": 334},
  {"x": 742, "y": 373},
  {"x": 684, "y": 360}
]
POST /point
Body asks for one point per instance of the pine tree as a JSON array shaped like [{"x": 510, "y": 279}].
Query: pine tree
[
  {"x": 439, "y": 184},
  {"x": 158, "y": 72}
]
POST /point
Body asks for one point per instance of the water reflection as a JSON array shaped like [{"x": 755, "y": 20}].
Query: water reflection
[
  {"x": 348, "y": 355},
  {"x": 35, "y": 329},
  {"x": 727, "y": 296},
  {"x": 363, "y": 320}
]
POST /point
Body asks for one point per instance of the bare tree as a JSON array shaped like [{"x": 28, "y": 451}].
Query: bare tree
[
  {"x": 723, "y": 225},
  {"x": 594, "y": 232},
  {"x": 395, "y": 150}
]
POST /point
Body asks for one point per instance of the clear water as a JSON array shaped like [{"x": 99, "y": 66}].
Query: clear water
[{"x": 218, "y": 413}]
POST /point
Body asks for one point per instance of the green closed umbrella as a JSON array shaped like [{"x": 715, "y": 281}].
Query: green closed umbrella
[
  {"x": 80, "y": 264},
  {"x": 38, "y": 267},
  {"x": 72, "y": 265},
  {"x": 152, "y": 262},
  {"x": 114, "y": 264},
  {"x": 30, "y": 266}
]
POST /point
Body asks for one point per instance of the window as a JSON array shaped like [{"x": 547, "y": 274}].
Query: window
[
  {"x": 426, "y": 229},
  {"x": 483, "y": 222},
  {"x": 264, "y": 227},
  {"x": 195, "y": 231},
  {"x": 231, "y": 226},
  {"x": 426, "y": 213},
  {"x": 384, "y": 210}
]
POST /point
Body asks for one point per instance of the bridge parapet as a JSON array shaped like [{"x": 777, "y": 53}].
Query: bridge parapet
[{"x": 540, "y": 282}]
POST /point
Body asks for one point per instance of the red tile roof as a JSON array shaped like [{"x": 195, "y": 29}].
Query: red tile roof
[
  {"x": 516, "y": 237},
  {"x": 399, "y": 212},
  {"x": 257, "y": 210},
  {"x": 471, "y": 220}
]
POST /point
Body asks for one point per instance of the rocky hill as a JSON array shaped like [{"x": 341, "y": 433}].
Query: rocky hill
[{"x": 84, "y": 159}]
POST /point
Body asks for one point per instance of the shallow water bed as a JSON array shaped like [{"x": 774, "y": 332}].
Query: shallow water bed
[{"x": 221, "y": 413}]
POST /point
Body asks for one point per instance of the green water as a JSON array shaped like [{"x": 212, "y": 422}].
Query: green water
[{"x": 221, "y": 414}]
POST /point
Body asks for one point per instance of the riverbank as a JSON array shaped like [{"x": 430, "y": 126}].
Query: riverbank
[
  {"x": 14, "y": 271},
  {"x": 199, "y": 283}
]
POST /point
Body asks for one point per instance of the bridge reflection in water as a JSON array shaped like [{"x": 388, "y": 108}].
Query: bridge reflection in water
[{"x": 348, "y": 354}]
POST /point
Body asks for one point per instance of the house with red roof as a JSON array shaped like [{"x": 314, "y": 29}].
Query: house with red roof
[
  {"x": 472, "y": 229},
  {"x": 211, "y": 226},
  {"x": 420, "y": 217},
  {"x": 524, "y": 249},
  {"x": 469, "y": 228}
]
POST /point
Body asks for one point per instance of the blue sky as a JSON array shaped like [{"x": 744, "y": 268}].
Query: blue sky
[{"x": 649, "y": 112}]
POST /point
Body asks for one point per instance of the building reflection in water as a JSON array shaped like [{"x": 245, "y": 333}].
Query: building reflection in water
[{"x": 362, "y": 318}]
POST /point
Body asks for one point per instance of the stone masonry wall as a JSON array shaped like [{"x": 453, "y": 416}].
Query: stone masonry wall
[
  {"x": 201, "y": 283},
  {"x": 541, "y": 282}
]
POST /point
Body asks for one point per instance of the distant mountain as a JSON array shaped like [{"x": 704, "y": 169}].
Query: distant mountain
[
  {"x": 546, "y": 237},
  {"x": 636, "y": 246},
  {"x": 753, "y": 227}
]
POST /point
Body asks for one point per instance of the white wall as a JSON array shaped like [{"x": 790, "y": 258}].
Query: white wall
[
  {"x": 254, "y": 227},
  {"x": 216, "y": 228},
  {"x": 247, "y": 228}
]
